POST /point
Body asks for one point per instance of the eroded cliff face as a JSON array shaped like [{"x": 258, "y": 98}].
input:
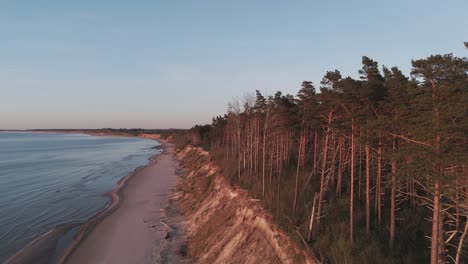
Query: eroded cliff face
[{"x": 223, "y": 224}]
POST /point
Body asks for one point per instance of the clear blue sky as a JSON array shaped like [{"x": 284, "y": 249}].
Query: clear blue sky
[{"x": 161, "y": 64}]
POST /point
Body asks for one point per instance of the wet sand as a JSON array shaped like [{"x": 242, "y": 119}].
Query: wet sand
[{"x": 134, "y": 232}]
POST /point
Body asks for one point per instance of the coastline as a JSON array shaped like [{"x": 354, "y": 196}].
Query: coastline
[
  {"x": 137, "y": 231},
  {"x": 116, "y": 199},
  {"x": 43, "y": 249}
]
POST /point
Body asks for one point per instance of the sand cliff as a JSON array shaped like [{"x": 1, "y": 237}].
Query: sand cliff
[{"x": 226, "y": 226}]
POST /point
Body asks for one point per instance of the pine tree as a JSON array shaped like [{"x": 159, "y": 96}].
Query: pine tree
[
  {"x": 309, "y": 121},
  {"x": 441, "y": 79},
  {"x": 308, "y": 151},
  {"x": 396, "y": 110}
]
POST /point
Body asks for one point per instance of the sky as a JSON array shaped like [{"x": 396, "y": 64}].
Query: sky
[{"x": 174, "y": 64}]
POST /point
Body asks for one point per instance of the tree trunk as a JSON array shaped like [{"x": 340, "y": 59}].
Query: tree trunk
[
  {"x": 435, "y": 225},
  {"x": 392, "y": 197},
  {"x": 340, "y": 171},
  {"x": 299, "y": 157},
  {"x": 312, "y": 217},
  {"x": 378, "y": 195},
  {"x": 324, "y": 166},
  {"x": 280, "y": 172},
  {"x": 351, "y": 193},
  {"x": 239, "y": 150},
  {"x": 441, "y": 233},
  {"x": 460, "y": 244},
  {"x": 360, "y": 172},
  {"x": 264, "y": 155},
  {"x": 437, "y": 242},
  {"x": 367, "y": 186},
  {"x": 314, "y": 168}
]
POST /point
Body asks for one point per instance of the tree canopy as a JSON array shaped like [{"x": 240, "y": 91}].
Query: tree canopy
[{"x": 363, "y": 169}]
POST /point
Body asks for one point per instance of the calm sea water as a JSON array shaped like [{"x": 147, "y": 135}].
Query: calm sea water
[{"x": 50, "y": 179}]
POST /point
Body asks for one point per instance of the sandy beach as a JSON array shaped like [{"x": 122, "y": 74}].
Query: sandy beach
[{"x": 133, "y": 232}]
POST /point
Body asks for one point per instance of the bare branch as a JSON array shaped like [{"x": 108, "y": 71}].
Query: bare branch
[{"x": 411, "y": 140}]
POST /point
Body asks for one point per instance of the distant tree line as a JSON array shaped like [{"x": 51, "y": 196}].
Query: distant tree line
[
  {"x": 123, "y": 131},
  {"x": 367, "y": 169}
]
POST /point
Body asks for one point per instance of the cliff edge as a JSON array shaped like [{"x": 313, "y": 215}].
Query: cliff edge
[{"x": 223, "y": 224}]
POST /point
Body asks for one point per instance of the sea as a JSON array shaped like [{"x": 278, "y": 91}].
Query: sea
[{"x": 50, "y": 179}]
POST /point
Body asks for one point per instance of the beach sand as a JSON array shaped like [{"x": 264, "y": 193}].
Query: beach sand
[{"x": 134, "y": 232}]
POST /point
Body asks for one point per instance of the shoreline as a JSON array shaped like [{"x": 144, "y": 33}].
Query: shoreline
[
  {"x": 42, "y": 248},
  {"x": 136, "y": 231},
  {"x": 116, "y": 199},
  {"x": 48, "y": 242}
]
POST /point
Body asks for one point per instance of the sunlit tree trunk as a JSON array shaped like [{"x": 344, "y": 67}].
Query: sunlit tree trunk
[
  {"x": 392, "y": 197},
  {"x": 367, "y": 148},
  {"x": 351, "y": 193},
  {"x": 460, "y": 244},
  {"x": 436, "y": 241},
  {"x": 435, "y": 225},
  {"x": 324, "y": 167},
  {"x": 378, "y": 195},
  {"x": 340, "y": 171},
  {"x": 298, "y": 167}
]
